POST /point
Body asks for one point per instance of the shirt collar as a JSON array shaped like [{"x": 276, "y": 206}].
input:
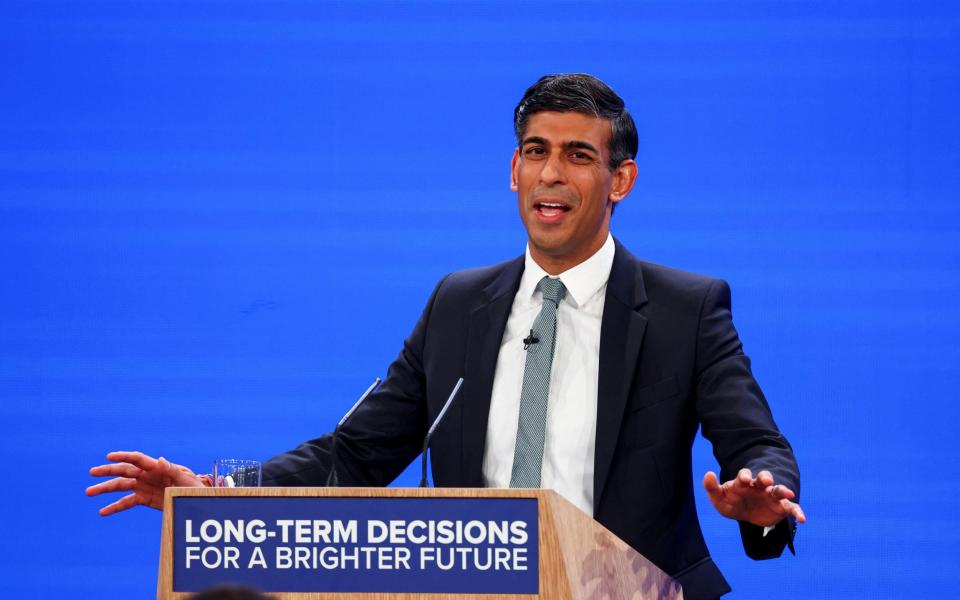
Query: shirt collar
[{"x": 582, "y": 281}]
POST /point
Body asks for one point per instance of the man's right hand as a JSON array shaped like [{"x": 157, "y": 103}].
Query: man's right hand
[{"x": 143, "y": 475}]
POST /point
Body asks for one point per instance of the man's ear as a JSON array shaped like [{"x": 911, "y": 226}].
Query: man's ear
[
  {"x": 513, "y": 169},
  {"x": 623, "y": 179}
]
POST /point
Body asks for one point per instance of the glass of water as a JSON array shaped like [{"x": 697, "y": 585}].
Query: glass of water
[{"x": 234, "y": 472}]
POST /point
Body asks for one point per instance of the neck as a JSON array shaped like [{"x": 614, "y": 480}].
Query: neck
[{"x": 555, "y": 264}]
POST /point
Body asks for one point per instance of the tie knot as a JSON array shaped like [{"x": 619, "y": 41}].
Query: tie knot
[{"x": 552, "y": 289}]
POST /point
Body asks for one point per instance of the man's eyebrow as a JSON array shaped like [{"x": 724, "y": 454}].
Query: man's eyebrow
[
  {"x": 581, "y": 145},
  {"x": 534, "y": 139}
]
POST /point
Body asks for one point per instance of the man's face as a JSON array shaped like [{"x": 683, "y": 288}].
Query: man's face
[{"x": 565, "y": 187}]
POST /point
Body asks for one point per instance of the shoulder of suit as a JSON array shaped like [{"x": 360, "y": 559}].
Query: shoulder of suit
[
  {"x": 470, "y": 280},
  {"x": 677, "y": 289},
  {"x": 664, "y": 278},
  {"x": 669, "y": 276}
]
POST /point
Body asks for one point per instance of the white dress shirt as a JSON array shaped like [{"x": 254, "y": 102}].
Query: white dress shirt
[{"x": 572, "y": 404}]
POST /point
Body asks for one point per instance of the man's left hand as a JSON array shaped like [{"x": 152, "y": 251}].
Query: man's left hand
[{"x": 757, "y": 500}]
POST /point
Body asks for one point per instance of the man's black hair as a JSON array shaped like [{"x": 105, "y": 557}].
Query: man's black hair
[
  {"x": 230, "y": 592},
  {"x": 582, "y": 93}
]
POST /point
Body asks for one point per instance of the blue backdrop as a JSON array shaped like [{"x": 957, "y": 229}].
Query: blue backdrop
[{"x": 202, "y": 203}]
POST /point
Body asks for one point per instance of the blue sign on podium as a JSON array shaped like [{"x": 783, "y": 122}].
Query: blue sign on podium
[{"x": 354, "y": 545}]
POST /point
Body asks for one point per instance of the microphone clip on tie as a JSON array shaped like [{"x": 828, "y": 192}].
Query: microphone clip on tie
[{"x": 530, "y": 339}]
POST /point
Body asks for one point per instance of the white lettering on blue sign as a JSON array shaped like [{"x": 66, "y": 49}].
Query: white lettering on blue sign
[{"x": 448, "y": 545}]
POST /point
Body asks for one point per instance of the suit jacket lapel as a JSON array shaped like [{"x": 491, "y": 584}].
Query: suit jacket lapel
[
  {"x": 487, "y": 323},
  {"x": 621, "y": 335}
]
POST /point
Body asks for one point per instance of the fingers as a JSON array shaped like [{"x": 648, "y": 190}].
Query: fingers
[
  {"x": 718, "y": 494},
  {"x": 793, "y": 509},
  {"x": 174, "y": 474},
  {"x": 755, "y": 499},
  {"x": 764, "y": 479},
  {"x": 779, "y": 492},
  {"x": 116, "y": 470},
  {"x": 122, "y": 504},
  {"x": 711, "y": 483},
  {"x": 120, "y": 484},
  {"x": 139, "y": 473},
  {"x": 743, "y": 480},
  {"x": 138, "y": 459},
  {"x": 180, "y": 468},
  {"x": 171, "y": 470}
]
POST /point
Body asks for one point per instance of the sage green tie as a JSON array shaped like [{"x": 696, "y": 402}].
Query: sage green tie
[{"x": 532, "y": 423}]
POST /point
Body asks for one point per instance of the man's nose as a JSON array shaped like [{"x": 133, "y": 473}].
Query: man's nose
[{"x": 553, "y": 171}]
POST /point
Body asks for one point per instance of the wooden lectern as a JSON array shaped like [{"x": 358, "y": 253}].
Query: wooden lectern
[{"x": 577, "y": 557}]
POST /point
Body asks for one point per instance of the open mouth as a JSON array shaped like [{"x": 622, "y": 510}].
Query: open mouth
[{"x": 551, "y": 209}]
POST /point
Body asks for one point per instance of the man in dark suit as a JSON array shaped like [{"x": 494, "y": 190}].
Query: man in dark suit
[{"x": 600, "y": 401}]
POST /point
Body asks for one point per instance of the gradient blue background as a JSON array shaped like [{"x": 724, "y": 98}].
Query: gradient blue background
[{"x": 218, "y": 220}]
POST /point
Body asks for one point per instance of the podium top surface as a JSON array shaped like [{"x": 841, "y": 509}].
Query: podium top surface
[{"x": 360, "y": 492}]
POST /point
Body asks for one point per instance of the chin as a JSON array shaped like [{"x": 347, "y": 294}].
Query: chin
[{"x": 547, "y": 246}]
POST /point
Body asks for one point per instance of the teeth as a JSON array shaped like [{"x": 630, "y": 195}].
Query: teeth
[{"x": 551, "y": 205}]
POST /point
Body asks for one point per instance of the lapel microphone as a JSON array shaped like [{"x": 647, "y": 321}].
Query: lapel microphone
[
  {"x": 426, "y": 440},
  {"x": 527, "y": 341},
  {"x": 332, "y": 480}
]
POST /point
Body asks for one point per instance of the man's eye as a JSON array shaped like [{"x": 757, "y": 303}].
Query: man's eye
[
  {"x": 581, "y": 157},
  {"x": 534, "y": 151}
]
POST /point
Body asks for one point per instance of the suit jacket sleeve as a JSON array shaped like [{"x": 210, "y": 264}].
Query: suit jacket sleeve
[
  {"x": 736, "y": 418},
  {"x": 381, "y": 438}
]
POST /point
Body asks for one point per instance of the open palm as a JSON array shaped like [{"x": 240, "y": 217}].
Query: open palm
[
  {"x": 144, "y": 476},
  {"x": 757, "y": 500}
]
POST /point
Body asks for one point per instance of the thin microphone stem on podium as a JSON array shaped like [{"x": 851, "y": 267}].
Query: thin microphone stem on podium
[
  {"x": 332, "y": 479},
  {"x": 426, "y": 440}
]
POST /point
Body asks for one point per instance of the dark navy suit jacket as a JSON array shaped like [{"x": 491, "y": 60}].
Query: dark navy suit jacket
[{"x": 670, "y": 362}]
